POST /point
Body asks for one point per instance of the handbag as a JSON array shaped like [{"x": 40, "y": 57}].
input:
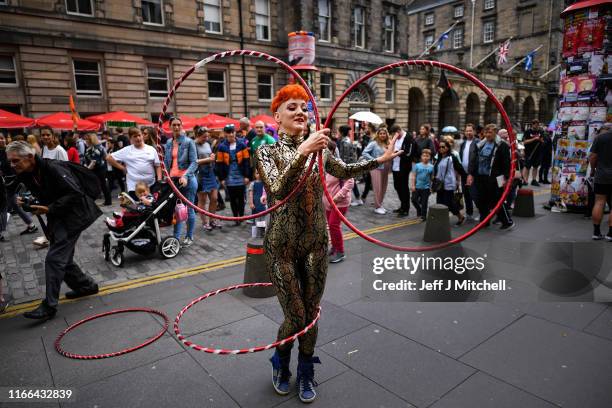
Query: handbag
[
  {"x": 438, "y": 184},
  {"x": 180, "y": 212},
  {"x": 458, "y": 199}
]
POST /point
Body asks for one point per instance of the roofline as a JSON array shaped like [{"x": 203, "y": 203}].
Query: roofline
[{"x": 430, "y": 6}]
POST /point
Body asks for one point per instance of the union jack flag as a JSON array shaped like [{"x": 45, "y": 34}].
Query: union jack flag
[{"x": 502, "y": 54}]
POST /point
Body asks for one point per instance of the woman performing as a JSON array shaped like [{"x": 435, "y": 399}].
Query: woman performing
[{"x": 296, "y": 240}]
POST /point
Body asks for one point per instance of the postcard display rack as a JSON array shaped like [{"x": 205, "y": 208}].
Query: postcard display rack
[{"x": 585, "y": 101}]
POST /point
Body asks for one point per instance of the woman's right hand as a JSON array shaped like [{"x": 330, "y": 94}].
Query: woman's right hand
[{"x": 315, "y": 142}]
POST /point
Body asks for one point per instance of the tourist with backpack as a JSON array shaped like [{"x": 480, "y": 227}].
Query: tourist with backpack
[
  {"x": 63, "y": 192},
  {"x": 95, "y": 160}
]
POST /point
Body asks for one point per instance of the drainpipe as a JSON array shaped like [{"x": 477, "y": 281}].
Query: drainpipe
[{"x": 244, "y": 82}]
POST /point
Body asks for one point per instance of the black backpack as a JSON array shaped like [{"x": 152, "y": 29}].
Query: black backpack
[{"x": 87, "y": 179}]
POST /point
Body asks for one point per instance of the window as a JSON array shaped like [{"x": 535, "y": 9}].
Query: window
[
  {"x": 80, "y": 7},
  {"x": 324, "y": 20},
  {"x": 212, "y": 16},
  {"x": 262, "y": 20},
  {"x": 3, "y": 2},
  {"x": 389, "y": 41},
  {"x": 87, "y": 78},
  {"x": 265, "y": 87},
  {"x": 152, "y": 12},
  {"x": 526, "y": 23},
  {"x": 489, "y": 4},
  {"x": 326, "y": 91},
  {"x": 359, "y": 16},
  {"x": 157, "y": 80},
  {"x": 8, "y": 74},
  {"x": 216, "y": 85},
  {"x": 458, "y": 11},
  {"x": 429, "y": 19},
  {"x": 488, "y": 32},
  {"x": 389, "y": 90},
  {"x": 458, "y": 38},
  {"x": 429, "y": 40}
]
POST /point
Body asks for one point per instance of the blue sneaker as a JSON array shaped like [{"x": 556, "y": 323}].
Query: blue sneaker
[
  {"x": 280, "y": 373},
  {"x": 305, "y": 378}
]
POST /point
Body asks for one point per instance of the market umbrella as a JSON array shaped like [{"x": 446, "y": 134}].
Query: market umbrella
[
  {"x": 63, "y": 121},
  {"x": 266, "y": 119},
  {"x": 9, "y": 120},
  {"x": 118, "y": 117},
  {"x": 214, "y": 121},
  {"x": 367, "y": 116},
  {"x": 188, "y": 123}
]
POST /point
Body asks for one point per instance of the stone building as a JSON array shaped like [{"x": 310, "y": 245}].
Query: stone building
[{"x": 125, "y": 54}]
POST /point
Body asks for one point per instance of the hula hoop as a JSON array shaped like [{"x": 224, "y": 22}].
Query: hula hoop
[
  {"x": 500, "y": 108},
  {"x": 177, "y": 85},
  {"x": 236, "y": 351},
  {"x": 64, "y": 353}
]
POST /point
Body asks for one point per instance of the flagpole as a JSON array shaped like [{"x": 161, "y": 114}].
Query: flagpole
[
  {"x": 472, "y": 36},
  {"x": 491, "y": 53},
  {"x": 549, "y": 71},
  {"x": 438, "y": 40},
  {"x": 522, "y": 59}
]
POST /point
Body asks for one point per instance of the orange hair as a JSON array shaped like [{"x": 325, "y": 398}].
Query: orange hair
[{"x": 293, "y": 91}]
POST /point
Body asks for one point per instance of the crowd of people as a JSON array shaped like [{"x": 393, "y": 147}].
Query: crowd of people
[{"x": 465, "y": 170}]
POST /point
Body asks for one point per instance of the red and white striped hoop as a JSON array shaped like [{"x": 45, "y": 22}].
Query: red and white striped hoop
[
  {"x": 237, "y": 351},
  {"x": 177, "y": 84}
]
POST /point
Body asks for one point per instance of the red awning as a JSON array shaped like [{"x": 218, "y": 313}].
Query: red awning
[
  {"x": 266, "y": 119},
  {"x": 584, "y": 4},
  {"x": 9, "y": 120},
  {"x": 214, "y": 121},
  {"x": 188, "y": 123},
  {"x": 63, "y": 121},
  {"x": 119, "y": 116}
]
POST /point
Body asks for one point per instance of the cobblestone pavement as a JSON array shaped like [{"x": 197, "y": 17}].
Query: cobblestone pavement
[{"x": 22, "y": 264}]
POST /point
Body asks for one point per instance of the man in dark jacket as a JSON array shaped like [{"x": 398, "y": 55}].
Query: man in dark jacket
[
  {"x": 466, "y": 151},
  {"x": 69, "y": 212},
  {"x": 488, "y": 170},
  {"x": 402, "y": 166}
]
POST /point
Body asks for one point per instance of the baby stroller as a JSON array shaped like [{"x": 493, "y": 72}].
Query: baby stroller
[{"x": 140, "y": 229}]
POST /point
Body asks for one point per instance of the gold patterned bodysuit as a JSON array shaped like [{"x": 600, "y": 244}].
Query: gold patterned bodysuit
[{"x": 296, "y": 240}]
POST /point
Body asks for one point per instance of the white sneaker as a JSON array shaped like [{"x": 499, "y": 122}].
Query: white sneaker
[
  {"x": 380, "y": 211},
  {"x": 357, "y": 203},
  {"x": 186, "y": 242}
]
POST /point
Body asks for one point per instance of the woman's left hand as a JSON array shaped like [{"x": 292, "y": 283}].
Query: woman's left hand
[
  {"x": 183, "y": 181},
  {"x": 390, "y": 154}
]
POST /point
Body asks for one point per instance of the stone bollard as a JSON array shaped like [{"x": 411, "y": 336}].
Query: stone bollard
[
  {"x": 437, "y": 227},
  {"x": 524, "y": 205},
  {"x": 255, "y": 270}
]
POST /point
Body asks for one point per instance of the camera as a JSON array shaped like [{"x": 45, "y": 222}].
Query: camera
[{"x": 28, "y": 201}]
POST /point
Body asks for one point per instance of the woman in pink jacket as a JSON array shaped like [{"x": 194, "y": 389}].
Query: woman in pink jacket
[{"x": 340, "y": 190}]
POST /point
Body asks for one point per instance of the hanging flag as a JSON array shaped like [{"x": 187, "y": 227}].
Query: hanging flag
[
  {"x": 529, "y": 61},
  {"x": 75, "y": 114},
  {"x": 502, "y": 54},
  {"x": 443, "y": 82},
  {"x": 443, "y": 37}
]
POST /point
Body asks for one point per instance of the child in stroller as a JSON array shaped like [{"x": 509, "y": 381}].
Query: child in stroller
[
  {"x": 138, "y": 227},
  {"x": 132, "y": 209}
]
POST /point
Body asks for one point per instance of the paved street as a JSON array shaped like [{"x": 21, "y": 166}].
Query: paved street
[{"x": 507, "y": 350}]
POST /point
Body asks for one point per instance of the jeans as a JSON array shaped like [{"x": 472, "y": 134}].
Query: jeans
[
  {"x": 189, "y": 191},
  {"x": 236, "y": 196},
  {"x": 488, "y": 195},
  {"x": 467, "y": 197},
  {"x": 420, "y": 200}
]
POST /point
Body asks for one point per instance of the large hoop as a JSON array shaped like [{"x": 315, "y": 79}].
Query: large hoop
[
  {"x": 500, "y": 108},
  {"x": 177, "y": 85},
  {"x": 64, "y": 353},
  {"x": 198, "y": 347}
]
